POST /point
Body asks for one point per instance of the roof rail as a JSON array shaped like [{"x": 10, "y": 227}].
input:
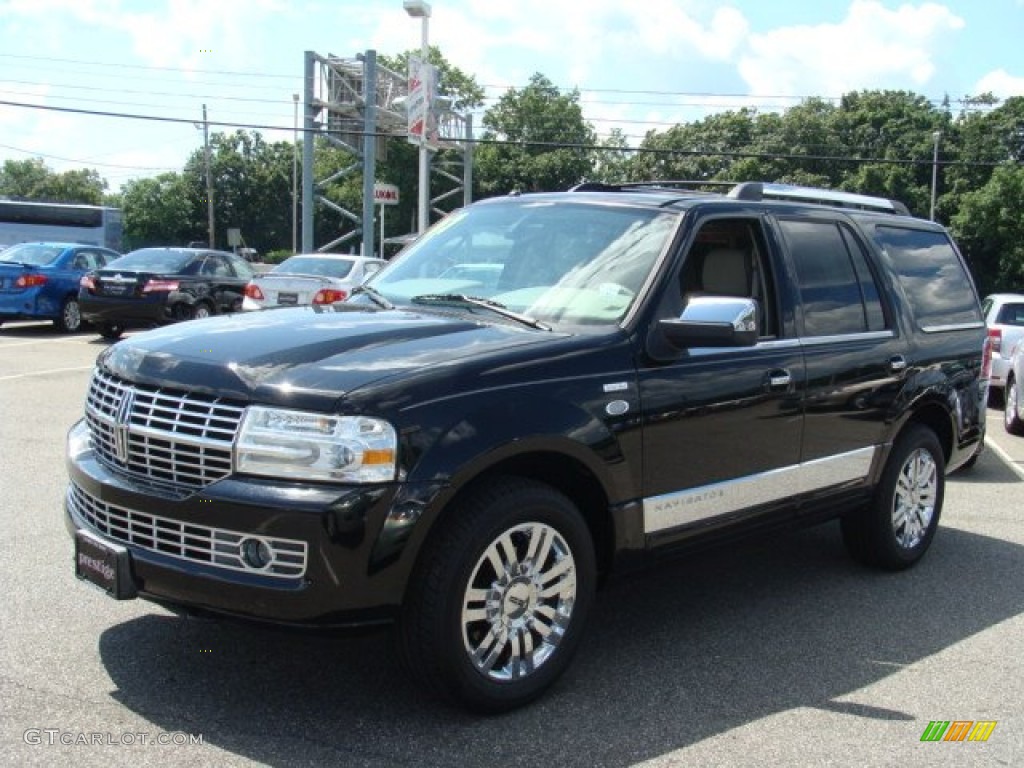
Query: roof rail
[{"x": 756, "y": 190}]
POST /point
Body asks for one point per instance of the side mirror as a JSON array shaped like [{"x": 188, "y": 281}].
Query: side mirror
[{"x": 713, "y": 321}]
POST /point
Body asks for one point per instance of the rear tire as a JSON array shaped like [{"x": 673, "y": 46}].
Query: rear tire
[
  {"x": 896, "y": 528},
  {"x": 109, "y": 331},
  {"x": 499, "y": 597},
  {"x": 1012, "y": 421},
  {"x": 70, "y": 318}
]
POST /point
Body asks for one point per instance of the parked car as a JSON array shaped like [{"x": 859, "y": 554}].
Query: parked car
[
  {"x": 39, "y": 281},
  {"x": 1013, "y": 401},
  {"x": 1004, "y": 316},
  {"x": 653, "y": 370},
  {"x": 156, "y": 286},
  {"x": 309, "y": 278}
]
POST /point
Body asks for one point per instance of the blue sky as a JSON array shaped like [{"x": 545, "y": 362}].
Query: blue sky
[{"x": 639, "y": 64}]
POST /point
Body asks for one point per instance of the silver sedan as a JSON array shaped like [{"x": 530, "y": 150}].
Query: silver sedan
[{"x": 313, "y": 278}]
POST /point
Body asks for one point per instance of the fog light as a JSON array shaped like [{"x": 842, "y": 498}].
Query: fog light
[{"x": 256, "y": 553}]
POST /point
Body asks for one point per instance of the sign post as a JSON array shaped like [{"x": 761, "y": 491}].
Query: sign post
[{"x": 384, "y": 194}]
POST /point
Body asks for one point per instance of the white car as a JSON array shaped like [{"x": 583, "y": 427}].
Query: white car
[
  {"x": 309, "y": 278},
  {"x": 1013, "y": 402},
  {"x": 1004, "y": 316}
]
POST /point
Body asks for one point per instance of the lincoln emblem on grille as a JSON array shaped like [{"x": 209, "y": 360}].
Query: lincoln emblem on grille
[{"x": 121, "y": 423}]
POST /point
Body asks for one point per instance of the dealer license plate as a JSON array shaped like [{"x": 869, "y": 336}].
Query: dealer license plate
[{"x": 105, "y": 565}]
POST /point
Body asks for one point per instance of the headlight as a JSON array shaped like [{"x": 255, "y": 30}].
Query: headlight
[{"x": 316, "y": 446}]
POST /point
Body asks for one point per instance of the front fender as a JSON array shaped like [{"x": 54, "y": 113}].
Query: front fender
[{"x": 488, "y": 437}]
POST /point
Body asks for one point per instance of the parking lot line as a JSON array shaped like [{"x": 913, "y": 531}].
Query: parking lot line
[{"x": 46, "y": 372}]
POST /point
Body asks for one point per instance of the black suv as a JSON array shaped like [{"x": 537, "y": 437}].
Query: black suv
[{"x": 651, "y": 368}]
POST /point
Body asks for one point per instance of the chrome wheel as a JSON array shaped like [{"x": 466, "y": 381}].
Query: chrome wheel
[
  {"x": 1011, "y": 409},
  {"x": 914, "y": 501},
  {"x": 519, "y": 601},
  {"x": 201, "y": 311},
  {"x": 70, "y": 318}
]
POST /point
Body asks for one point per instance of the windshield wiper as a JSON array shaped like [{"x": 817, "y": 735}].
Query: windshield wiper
[
  {"x": 376, "y": 296},
  {"x": 461, "y": 300}
]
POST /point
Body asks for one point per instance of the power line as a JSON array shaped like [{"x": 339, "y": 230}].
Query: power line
[
  {"x": 704, "y": 152},
  {"x": 88, "y": 162}
]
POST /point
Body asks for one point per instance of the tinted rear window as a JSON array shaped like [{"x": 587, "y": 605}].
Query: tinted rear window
[
  {"x": 152, "y": 260},
  {"x": 311, "y": 265},
  {"x": 938, "y": 288},
  {"x": 1011, "y": 314}
]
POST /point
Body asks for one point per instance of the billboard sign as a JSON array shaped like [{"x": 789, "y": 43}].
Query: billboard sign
[{"x": 422, "y": 122}]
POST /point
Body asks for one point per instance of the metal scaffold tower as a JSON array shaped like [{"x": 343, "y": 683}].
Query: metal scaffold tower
[{"x": 356, "y": 105}]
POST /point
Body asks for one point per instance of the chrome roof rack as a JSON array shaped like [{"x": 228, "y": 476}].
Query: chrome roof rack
[{"x": 757, "y": 191}]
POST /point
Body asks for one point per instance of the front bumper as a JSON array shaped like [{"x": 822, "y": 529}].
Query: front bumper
[{"x": 337, "y": 555}]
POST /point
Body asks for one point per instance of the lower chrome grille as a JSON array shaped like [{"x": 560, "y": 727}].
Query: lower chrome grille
[{"x": 188, "y": 541}]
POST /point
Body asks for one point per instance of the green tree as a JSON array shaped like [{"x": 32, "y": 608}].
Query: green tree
[
  {"x": 32, "y": 179},
  {"x": 159, "y": 211},
  {"x": 252, "y": 188},
  {"x": 24, "y": 179},
  {"x": 989, "y": 227},
  {"x": 535, "y": 140}
]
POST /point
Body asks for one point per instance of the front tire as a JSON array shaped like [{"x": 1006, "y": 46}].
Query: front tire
[
  {"x": 1011, "y": 410},
  {"x": 499, "y": 597},
  {"x": 896, "y": 528},
  {"x": 70, "y": 318}
]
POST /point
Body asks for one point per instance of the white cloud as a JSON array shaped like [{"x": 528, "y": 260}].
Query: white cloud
[
  {"x": 873, "y": 47},
  {"x": 1000, "y": 83}
]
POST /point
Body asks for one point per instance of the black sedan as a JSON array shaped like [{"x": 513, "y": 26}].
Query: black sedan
[{"x": 157, "y": 286}]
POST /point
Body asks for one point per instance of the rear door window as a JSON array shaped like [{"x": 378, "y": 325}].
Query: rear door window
[
  {"x": 837, "y": 288},
  {"x": 940, "y": 292}
]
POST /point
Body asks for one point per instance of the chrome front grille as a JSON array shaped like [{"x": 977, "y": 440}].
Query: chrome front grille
[
  {"x": 188, "y": 541},
  {"x": 168, "y": 437}
]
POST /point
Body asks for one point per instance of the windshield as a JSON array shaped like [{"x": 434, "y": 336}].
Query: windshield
[
  {"x": 31, "y": 253},
  {"x": 558, "y": 263},
  {"x": 313, "y": 265},
  {"x": 151, "y": 260}
]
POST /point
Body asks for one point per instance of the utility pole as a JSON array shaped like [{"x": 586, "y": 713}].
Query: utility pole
[
  {"x": 295, "y": 176},
  {"x": 209, "y": 181}
]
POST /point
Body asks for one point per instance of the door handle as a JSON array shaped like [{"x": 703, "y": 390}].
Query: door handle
[
  {"x": 779, "y": 379},
  {"x": 897, "y": 363}
]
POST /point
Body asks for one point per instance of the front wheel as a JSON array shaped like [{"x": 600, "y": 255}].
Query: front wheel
[
  {"x": 70, "y": 318},
  {"x": 896, "y": 528},
  {"x": 1011, "y": 410},
  {"x": 497, "y": 604},
  {"x": 201, "y": 310}
]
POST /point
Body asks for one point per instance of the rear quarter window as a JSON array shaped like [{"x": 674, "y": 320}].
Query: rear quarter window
[{"x": 939, "y": 290}]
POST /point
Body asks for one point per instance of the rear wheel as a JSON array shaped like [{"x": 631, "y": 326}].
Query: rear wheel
[
  {"x": 1011, "y": 409},
  {"x": 497, "y": 604},
  {"x": 70, "y": 318},
  {"x": 896, "y": 528},
  {"x": 109, "y": 330}
]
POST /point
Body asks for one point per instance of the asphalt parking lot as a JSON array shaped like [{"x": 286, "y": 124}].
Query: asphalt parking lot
[{"x": 779, "y": 652}]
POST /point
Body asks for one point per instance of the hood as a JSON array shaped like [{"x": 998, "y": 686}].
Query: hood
[{"x": 304, "y": 357}]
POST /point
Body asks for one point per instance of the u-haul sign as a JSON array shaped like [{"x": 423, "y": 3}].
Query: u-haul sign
[{"x": 385, "y": 194}]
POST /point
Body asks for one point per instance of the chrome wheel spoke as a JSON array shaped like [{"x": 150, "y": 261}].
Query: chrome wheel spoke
[{"x": 489, "y": 650}]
